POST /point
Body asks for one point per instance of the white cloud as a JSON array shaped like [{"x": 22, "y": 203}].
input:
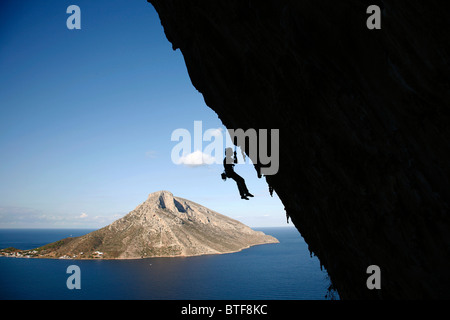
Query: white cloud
[
  {"x": 22, "y": 217},
  {"x": 197, "y": 159}
]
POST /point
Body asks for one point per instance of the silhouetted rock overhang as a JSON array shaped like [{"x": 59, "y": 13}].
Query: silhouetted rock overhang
[{"x": 363, "y": 118}]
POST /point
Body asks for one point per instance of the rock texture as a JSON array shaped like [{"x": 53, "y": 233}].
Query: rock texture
[
  {"x": 363, "y": 117},
  {"x": 162, "y": 226}
]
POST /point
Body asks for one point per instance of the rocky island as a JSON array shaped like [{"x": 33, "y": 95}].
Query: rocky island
[{"x": 162, "y": 226}]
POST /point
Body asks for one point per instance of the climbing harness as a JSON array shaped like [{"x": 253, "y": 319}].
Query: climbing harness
[{"x": 223, "y": 175}]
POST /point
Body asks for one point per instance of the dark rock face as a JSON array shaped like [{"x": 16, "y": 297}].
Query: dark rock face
[{"x": 364, "y": 124}]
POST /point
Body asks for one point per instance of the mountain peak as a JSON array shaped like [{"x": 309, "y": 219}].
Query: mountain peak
[
  {"x": 165, "y": 200},
  {"x": 162, "y": 226},
  {"x": 160, "y": 193}
]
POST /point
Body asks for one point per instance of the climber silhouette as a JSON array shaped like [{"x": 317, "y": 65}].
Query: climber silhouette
[{"x": 228, "y": 162}]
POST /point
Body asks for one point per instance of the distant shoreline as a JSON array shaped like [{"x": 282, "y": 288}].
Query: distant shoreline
[{"x": 28, "y": 256}]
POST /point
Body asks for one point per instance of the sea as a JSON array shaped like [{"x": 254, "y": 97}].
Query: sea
[{"x": 282, "y": 271}]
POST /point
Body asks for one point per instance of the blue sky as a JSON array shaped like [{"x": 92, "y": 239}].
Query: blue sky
[{"x": 86, "y": 118}]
